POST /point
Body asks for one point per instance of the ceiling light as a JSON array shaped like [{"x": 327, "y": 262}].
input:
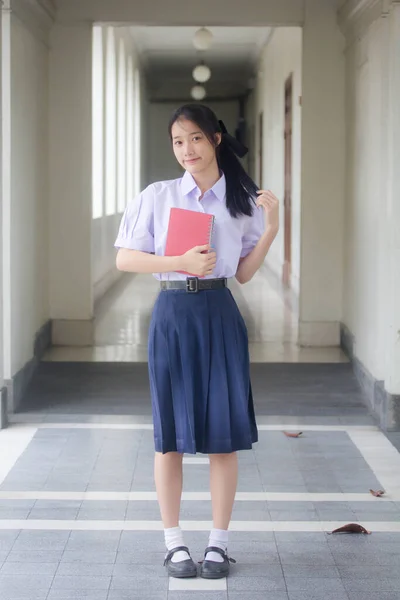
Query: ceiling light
[
  {"x": 201, "y": 73},
  {"x": 202, "y": 39},
  {"x": 198, "y": 92}
]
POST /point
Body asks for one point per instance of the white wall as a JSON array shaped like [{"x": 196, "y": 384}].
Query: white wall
[
  {"x": 161, "y": 162},
  {"x": 70, "y": 161},
  {"x": 29, "y": 192},
  {"x": 280, "y": 58},
  {"x": 322, "y": 176},
  {"x": 367, "y": 212}
]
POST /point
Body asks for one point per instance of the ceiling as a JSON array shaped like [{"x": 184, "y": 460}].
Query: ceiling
[{"x": 168, "y": 57}]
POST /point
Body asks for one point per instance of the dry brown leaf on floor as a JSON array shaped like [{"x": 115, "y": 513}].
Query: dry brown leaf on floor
[
  {"x": 377, "y": 494},
  {"x": 294, "y": 435},
  {"x": 351, "y": 528}
]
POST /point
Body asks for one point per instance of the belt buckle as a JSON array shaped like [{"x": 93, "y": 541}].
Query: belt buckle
[{"x": 192, "y": 289}]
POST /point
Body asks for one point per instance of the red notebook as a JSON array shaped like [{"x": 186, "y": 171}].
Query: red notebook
[{"x": 187, "y": 229}]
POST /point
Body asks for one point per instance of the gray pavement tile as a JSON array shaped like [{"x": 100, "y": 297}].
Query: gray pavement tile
[
  {"x": 75, "y": 582},
  {"x": 358, "y": 558},
  {"x": 56, "y": 504},
  {"x": 281, "y": 595},
  {"x": 373, "y": 595},
  {"x": 82, "y": 569},
  {"x": 91, "y": 556},
  {"x": 102, "y": 515},
  {"x": 140, "y": 558},
  {"x": 368, "y": 572},
  {"x": 91, "y": 540},
  {"x": 26, "y": 568},
  {"x": 268, "y": 583},
  {"x": 53, "y": 513},
  {"x": 142, "y": 540},
  {"x": 375, "y": 516},
  {"x": 236, "y": 537},
  {"x": 307, "y": 595},
  {"x": 314, "y": 572},
  {"x": 25, "y": 595},
  {"x": 281, "y": 505},
  {"x": 153, "y": 569},
  {"x": 140, "y": 582},
  {"x": 377, "y": 584},
  {"x": 264, "y": 549},
  {"x": 22, "y": 504},
  {"x": 41, "y": 540},
  {"x": 12, "y": 583},
  {"x": 314, "y": 585},
  {"x": 197, "y": 596},
  {"x": 305, "y": 554},
  {"x": 143, "y": 595},
  {"x": 286, "y": 515},
  {"x": 14, "y": 513},
  {"x": 314, "y": 537},
  {"x": 35, "y": 556},
  {"x": 257, "y": 569},
  {"x": 78, "y": 594},
  {"x": 7, "y": 540}
]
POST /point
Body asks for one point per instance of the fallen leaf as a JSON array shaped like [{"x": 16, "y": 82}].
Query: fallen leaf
[
  {"x": 294, "y": 435},
  {"x": 377, "y": 494},
  {"x": 351, "y": 528}
]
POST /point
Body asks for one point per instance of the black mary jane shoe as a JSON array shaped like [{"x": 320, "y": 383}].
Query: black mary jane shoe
[
  {"x": 215, "y": 570},
  {"x": 184, "y": 568}
]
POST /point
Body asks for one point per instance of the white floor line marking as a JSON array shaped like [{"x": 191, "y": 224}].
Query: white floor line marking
[
  {"x": 87, "y": 525},
  {"x": 196, "y": 461},
  {"x": 197, "y": 585},
  {"x": 13, "y": 442},
  {"x": 381, "y": 456},
  {"x": 148, "y": 426},
  {"x": 201, "y": 496}
]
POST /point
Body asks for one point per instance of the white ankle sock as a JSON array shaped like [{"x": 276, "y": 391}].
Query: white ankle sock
[
  {"x": 218, "y": 538},
  {"x": 173, "y": 539}
]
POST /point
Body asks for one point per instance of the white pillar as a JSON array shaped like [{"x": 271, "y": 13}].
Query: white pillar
[
  {"x": 392, "y": 382},
  {"x": 71, "y": 299},
  {"x": 3, "y": 395},
  {"x": 5, "y": 191},
  {"x": 322, "y": 174}
]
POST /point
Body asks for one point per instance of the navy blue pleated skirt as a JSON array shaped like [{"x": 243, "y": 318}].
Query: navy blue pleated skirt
[{"x": 199, "y": 374}]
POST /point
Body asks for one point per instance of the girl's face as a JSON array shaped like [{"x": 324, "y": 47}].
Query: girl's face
[{"x": 192, "y": 148}]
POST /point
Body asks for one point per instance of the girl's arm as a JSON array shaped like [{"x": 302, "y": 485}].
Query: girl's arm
[
  {"x": 135, "y": 261},
  {"x": 193, "y": 261},
  {"x": 250, "y": 264}
]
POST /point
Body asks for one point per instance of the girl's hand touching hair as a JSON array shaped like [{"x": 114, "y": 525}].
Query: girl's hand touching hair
[{"x": 270, "y": 204}]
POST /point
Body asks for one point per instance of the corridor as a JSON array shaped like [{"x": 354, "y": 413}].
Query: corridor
[
  {"x": 78, "y": 510},
  {"x": 270, "y": 311},
  {"x": 311, "y": 89}
]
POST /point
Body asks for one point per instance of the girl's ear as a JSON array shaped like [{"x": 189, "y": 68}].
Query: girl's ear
[{"x": 218, "y": 137}]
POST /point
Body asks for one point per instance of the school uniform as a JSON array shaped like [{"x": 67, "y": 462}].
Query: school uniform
[{"x": 198, "y": 347}]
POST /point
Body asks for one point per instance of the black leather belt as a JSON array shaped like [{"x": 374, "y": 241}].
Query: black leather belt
[{"x": 194, "y": 284}]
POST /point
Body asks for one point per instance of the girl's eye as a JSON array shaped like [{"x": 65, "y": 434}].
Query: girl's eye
[{"x": 197, "y": 137}]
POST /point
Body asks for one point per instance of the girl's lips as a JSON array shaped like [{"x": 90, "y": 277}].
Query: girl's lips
[{"x": 192, "y": 161}]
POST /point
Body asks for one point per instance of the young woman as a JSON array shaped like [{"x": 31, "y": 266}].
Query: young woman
[{"x": 198, "y": 347}]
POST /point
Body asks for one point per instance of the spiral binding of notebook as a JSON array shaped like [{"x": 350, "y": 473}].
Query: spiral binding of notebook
[{"x": 211, "y": 230}]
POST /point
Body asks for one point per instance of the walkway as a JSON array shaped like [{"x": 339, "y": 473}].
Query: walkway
[{"x": 78, "y": 511}]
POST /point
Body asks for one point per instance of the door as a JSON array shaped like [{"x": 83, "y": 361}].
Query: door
[
  {"x": 260, "y": 148},
  {"x": 288, "y": 181}
]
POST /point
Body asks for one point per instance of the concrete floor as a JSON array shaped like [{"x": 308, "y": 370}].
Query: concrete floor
[{"x": 78, "y": 512}]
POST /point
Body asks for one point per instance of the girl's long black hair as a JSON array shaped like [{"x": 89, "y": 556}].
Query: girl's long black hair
[{"x": 241, "y": 190}]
